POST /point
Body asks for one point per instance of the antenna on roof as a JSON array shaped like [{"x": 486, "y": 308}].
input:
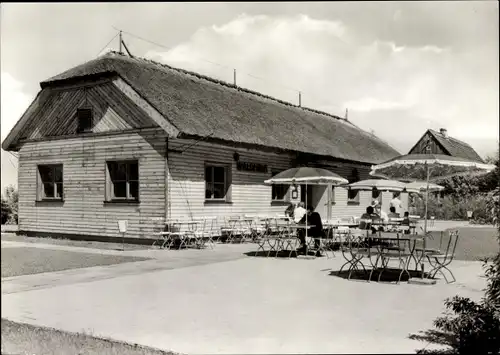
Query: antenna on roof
[
  {"x": 346, "y": 114},
  {"x": 300, "y": 99},
  {"x": 120, "y": 50}
]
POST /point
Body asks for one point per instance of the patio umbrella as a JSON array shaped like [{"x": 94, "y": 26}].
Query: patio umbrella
[
  {"x": 307, "y": 175},
  {"x": 379, "y": 184},
  {"x": 421, "y": 186},
  {"x": 428, "y": 168}
]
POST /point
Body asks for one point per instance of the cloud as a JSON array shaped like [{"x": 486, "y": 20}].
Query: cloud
[{"x": 335, "y": 68}]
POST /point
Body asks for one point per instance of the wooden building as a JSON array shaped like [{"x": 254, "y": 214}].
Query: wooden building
[
  {"x": 127, "y": 138},
  {"x": 433, "y": 142}
]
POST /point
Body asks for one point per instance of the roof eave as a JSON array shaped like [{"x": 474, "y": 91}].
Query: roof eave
[
  {"x": 216, "y": 140},
  {"x": 79, "y": 79}
]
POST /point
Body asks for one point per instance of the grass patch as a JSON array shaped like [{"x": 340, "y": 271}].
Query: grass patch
[
  {"x": 74, "y": 243},
  {"x": 27, "y": 261},
  {"x": 20, "y": 338},
  {"x": 473, "y": 243}
]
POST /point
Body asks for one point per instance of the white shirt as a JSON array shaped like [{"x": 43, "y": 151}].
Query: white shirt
[
  {"x": 298, "y": 213},
  {"x": 384, "y": 216},
  {"x": 396, "y": 203}
]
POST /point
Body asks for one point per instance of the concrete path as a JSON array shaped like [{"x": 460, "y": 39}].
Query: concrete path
[
  {"x": 248, "y": 305},
  {"x": 160, "y": 260}
]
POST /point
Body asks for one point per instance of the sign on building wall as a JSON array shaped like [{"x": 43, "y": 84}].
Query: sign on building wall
[{"x": 255, "y": 167}]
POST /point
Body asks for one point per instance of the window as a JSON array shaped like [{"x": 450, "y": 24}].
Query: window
[
  {"x": 279, "y": 192},
  {"x": 353, "y": 196},
  {"x": 50, "y": 182},
  {"x": 122, "y": 181},
  {"x": 332, "y": 195},
  {"x": 84, "y": 116},
  {"x": 354, "y": 176},
  {"x": 217, "y": 182}
]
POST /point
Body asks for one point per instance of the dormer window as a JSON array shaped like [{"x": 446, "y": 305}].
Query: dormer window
[{"x": 84, "y": 117}]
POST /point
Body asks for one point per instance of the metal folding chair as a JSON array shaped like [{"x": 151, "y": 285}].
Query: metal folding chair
[
  {"x": 196, "y": 233},
  {"x": 229, "y": 230},
  {"x": 396, "y": 250},
  {"x": 440, "y": 261},
  {"x": 209, "y": 231},
  {"x": 165, "y": 235},
  {"x": 354, "y": 249}
]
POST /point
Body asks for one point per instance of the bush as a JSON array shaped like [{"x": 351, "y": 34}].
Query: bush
[
  {"x": 470, "y": 327},
  {"x": 11, "y": 201},
  {"x": 5, "y": 211},
  {"x": 453, "y": 207}
]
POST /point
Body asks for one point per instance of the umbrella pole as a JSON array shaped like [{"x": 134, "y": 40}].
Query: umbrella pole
[
  {"x": 306, "y": 216},
  {"x": 425, "y": 220}
]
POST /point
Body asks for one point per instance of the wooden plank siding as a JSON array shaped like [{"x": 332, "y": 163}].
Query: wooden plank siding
[
  {"x": 420, "y": 147},
  {"x": 248, "y": 193},
  {"x": 84, "y": 210},
  {"x": 112, "y": 111}
]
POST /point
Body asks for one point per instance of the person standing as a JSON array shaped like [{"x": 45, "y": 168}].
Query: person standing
[{"x": 396, "y": 202}]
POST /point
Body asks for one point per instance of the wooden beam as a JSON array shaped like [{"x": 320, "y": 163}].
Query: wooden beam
[{"x": 92, "y": 134}]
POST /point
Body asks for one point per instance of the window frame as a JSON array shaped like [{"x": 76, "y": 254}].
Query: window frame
[
  {"x": 286, "y": 195},
  {"x": 109, "y": 194},
  {"x": 40, "y": 183},
  {"x": 80, "y": 130},
  {"x": 355, "y": 200},
  {"x": 227, "y": 182}
]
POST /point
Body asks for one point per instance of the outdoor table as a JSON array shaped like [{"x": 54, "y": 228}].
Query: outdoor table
[
  {"x": 182, "y": 236},
  {"x": 384, "y": 242},
  {"x": 233, "y": 222}
]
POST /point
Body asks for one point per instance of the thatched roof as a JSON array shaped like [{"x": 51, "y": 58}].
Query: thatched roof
[
  {"x": 455, "y": 147},
  {"x": 199, "y": 106}
]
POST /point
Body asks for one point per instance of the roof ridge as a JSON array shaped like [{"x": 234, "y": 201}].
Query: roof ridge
[
  {"x": 450, "y": 138},
  {"x": 225, "y": 83}
]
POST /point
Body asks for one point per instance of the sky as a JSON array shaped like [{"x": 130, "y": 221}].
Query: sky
[{"x": 398, "y": 67}]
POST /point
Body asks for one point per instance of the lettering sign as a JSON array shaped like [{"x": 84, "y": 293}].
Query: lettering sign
[{"x": 245, "y": 166}]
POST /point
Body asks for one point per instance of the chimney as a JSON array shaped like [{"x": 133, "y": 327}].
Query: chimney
[{"x": 443, "y": 132}]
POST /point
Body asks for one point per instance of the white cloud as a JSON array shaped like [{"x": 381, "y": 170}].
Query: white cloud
[{"x": 422, "y": 86}]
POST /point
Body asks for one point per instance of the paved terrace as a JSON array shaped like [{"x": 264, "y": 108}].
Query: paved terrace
[{"x": 221, "y": 301}]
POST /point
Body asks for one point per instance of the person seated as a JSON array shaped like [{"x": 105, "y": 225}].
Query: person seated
[
  {"x": 313, "y": 219},
  {"x": 290, "y": 210},
  {"x": 382, "y": 214},
  {"x": 406, "y": 222},
  {"x": 365, "y": 219},
  {"x": 392, "y": 212},
  {"x": 299, "y": 212}
]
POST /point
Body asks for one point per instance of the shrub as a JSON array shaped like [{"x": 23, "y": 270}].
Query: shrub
[
  {"x": 12, "y": 202},
  {"x": 470, "y": 327},
  {"x": 5, "y": 211},
  {"x": 453, "y": 207}
]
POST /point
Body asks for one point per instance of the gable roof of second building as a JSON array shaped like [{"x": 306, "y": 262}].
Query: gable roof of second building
[
  {"x": 455, "y": 147},
  {"x": 199, "y": 106}
]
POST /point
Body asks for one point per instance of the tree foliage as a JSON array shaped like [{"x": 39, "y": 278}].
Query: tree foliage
[{"x": 11, "y": 202}]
